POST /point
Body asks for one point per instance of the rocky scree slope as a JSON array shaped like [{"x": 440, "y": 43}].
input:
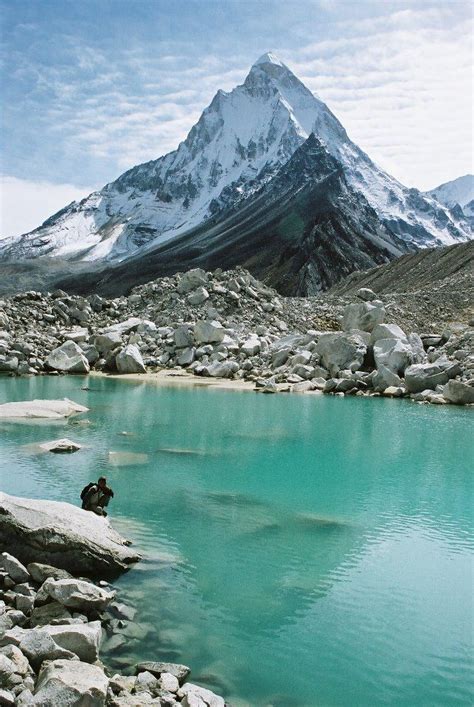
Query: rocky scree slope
[
  {"x": 240, "y": 142},
  {"x": 229, "y": 325},
  {"x": 52, "y": 628}
]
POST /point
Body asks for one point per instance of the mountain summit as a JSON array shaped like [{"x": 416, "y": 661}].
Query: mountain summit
[{"x": 239, "y": 144}]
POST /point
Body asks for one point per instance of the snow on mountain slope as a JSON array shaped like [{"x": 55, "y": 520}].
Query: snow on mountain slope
[
  {"x": 238, "y": 144},
  {"x": 458, "y": 191}
]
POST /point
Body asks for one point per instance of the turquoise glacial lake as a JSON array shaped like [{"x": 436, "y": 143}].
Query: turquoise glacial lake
[{"x": 298, "y": 550}]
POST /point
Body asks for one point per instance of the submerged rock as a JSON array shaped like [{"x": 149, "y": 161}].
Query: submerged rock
[
  {"x": 64, "y": 536},
  {"x": 37, "y": 409},
  {"x": 60, "y": 446}
]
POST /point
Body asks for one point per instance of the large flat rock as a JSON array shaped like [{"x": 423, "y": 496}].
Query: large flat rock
[
  {"x": 41, "y": 409},
  {"x": 63, "y": 536}
]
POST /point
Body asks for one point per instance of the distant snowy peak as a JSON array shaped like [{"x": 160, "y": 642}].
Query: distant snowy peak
[
  {"x": 237, "y": 146},
  {"x": 458, "y": 191}
]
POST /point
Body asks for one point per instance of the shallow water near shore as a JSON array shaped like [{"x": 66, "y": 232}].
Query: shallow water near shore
[{"x": 298, "y": 550}]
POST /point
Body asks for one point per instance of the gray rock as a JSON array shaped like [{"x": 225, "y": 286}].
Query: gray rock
[
  {"x": 41, "y": 572},
  {"x": 423, "y": 376},
  {"x": 186, "y": 356},
  {"x": 51, "y": 409},
  {"x": 394, "y": 354},
  {"x": 224, "y": 369},
  {"x": 36, "y": 644},
  {"x": 8, "y": 364},
  {"x": 363, "y": 316},
  {"x": 81, "y": 639},
  {"x": 387, "y": 331},
  {"x": 7, "y": 698},
  {"x": 196, "y": 696},
  {"x": 191, "y": 280},
  {"x": 169, "y": 682},
  {"x": 198, "y": 296},
  {"x": 107, "y": 342},
  {"x": 129, "y": 360},
  {"x": 78, "y": 594},
  {"x": 75, "y": 684},
  {"x": 179, "y": 671},
  {"x": 183, "y": 337},
  {"x": 60, "y": 446},
  {"x": 63, "y": 535},
  {"x": 364, "y": 293},
  {"x": 341, "y": 351},
  {"x": 69, "y": 358},
  {"x": 16, "y": 570},
  {"x": 48, "y": 613},
  {"x": 19, "y": 661},
  {"x": 384, "y": 378},
  {"x": 459, "y": 393},
  {"x": 251, "y": 347},
  {"x": 208, "y": 332}
]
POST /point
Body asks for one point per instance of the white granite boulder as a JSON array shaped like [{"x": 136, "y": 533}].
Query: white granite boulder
[
  {"x": 107, "y": 342},
  {"x": 424, "y": 376},
  {"x": 191, "y": 280},
  {"x": 196, "y": 696},
  {"x": 199, "y": 296},
  {"x": 342, "y": 351},
  {"x": 63, "y": 535},
  {"x": 394, "y": 354},
  {"x": 129, "y": 360},
  {"x": 36, "y": 644},
  {"x": 387, "y": 331},
  {"x": 385, "y": 378},
  {"x": 78, "y": 594},
  {"x": 51, "y": 409},
  {"x": 251, "y": 346},
  {"x": 68, "y": 358},
  {"x": 82, "y": 639},
  {"x": 208, "y": 332},
  {"x": 459, "y": 393},
  {"x": 71, "y": 683},
  {"x": 14, "y": 568},
  {"x": 60, "y": 446},
  {"x": 363, "y": 316}
]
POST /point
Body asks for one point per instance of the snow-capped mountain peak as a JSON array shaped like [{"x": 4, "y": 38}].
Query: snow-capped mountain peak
[
  {"x": 269, "y": 58},
  {"x": 238, "y": 144}
]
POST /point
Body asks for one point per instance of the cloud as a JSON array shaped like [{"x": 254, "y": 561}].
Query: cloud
[
  {"x": 400, "y": 81},
  {"x": 25, "y": 204}
]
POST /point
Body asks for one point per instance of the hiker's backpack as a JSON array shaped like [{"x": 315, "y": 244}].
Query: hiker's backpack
[{"x": 86, "y": 490}]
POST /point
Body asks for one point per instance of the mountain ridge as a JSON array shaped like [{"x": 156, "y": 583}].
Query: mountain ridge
[{"x": 238, "y": 145}]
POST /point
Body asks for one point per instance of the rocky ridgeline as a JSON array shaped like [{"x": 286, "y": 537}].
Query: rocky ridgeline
[
  {"x": 51, "y": 628},
  {"x": 229, "y": 325}
]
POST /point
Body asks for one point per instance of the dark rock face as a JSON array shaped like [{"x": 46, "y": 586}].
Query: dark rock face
[{"x": 300, "y": 233}]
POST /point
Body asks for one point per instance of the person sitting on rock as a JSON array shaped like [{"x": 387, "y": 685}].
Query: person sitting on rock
[{"x": 95, "y": 497}]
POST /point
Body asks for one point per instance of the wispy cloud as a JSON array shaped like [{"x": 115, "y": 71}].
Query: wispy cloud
[
  {"x": 25, "y": 204},
  {"x": 82, "y": 110}
]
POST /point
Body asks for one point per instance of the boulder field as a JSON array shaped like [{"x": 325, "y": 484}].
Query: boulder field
[
  {"x": 229, "y": 325},
  {"x": 52, "y": 625}
]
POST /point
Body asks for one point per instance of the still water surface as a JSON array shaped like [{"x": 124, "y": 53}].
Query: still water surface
[{"x": 299, "y": 550}]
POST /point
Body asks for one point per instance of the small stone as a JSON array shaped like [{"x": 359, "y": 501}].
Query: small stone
[{"x": 15, "y": 569}]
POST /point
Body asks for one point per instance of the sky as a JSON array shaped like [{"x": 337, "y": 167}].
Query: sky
[{"x": 92, "y": 88}]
